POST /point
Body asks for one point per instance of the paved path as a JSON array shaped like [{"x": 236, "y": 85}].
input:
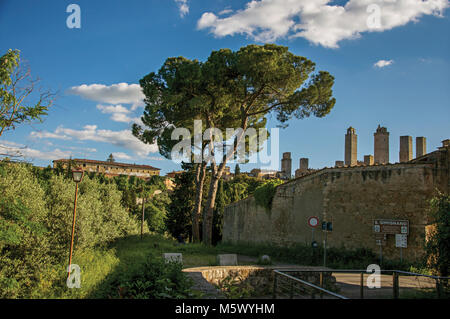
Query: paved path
[{"x": 348, "y": 284}]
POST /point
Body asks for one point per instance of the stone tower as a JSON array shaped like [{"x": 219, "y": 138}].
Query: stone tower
[
  {"x": 406, "y": 153},
  {"x": 421, "y": 146},
  {"x": 350, "y": 147},
  {"x": 304, "y": 162},
  {"x": 381, "y": 145},
  {"x": 368, "y": 160},
  {"x": 286, "y": 164}
]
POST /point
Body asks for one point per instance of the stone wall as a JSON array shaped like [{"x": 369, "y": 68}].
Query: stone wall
[{"x": 350, "y": 197}]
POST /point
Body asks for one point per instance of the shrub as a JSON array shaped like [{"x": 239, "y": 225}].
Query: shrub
[
  {"x": 438, "y": 243},
  {"x": 35, "y": 226},
  {"x": 153, "y": 279},
  {"x": 264, "y": 194}
]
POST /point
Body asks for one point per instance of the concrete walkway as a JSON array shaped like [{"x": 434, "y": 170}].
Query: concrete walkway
[{"x": 348, "y": 283}]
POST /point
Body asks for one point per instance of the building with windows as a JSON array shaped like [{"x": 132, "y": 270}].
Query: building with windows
[{"x": 109, "y": 168}]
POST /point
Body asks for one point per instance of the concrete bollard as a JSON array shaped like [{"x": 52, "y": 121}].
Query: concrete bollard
[{"x": 173, "y": 257}]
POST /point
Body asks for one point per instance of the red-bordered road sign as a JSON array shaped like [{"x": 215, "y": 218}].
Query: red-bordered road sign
[{"x": 313, "y": 221}]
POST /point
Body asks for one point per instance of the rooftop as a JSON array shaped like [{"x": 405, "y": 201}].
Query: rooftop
[{"x": 78, "y": 160}]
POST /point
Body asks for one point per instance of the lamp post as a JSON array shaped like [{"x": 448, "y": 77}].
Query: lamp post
[{"x": 77, "y": 175}]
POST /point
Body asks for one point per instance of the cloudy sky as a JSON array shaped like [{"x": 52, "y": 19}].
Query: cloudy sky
[{"x": 390, "y": 59}]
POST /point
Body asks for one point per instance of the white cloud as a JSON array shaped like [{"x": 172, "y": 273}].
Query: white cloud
[
  {"x": 183, "y": 7},
  {"x": 12, "y": 149},
  {"x": 112, "y": 94},
  {"x": 225, "y": 11},
  {"x": 111, "y": 109},
  {"x": 122, "y": 156},
  {"x": 321, "y": 21},
  {"x": 122, "y": 138},
  {"x": 383, "y": 63},
  {"x": 118, "y": 113}
]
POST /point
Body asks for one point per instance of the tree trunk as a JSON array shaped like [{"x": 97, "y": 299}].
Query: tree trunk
[
  {"x": 216, "y": 174},
  {"x": 199, "y": 181},
  {"x": 209, "y": 209}
]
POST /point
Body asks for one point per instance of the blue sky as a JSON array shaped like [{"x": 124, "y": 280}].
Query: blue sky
[{"x": 96, "y": 68}]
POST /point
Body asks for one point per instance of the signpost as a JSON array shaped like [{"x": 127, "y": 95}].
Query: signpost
[
  {"x": 384, "y": 227},
  {"x": 313, "y": 222},
  {"x": 401, "y": 241},
  {"x": 390, "y": 226},
  {"x": 326, "y": 227}
]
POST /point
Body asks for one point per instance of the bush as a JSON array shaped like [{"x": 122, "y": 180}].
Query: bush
[
  {"x": 438, "y": 243},
  {"x": 153, "y": 279},
  {"x": 35, "y": 226},
  {"x": 264, "y": 194},
  {"x": 24, "y": 245}
]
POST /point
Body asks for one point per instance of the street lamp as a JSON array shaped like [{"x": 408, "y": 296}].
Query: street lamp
[{"x": 77, "y": 175}]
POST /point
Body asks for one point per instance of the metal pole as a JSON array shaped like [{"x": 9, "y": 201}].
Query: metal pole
[
  {"x": 73, "y": 227},
  {"x": 401, "y": 254},
  {"x": 143, "y": 215},
  {"x": 381, "y": 254},
  {"x": 274, "y": 286},
  {"x": 291, "y": 294},
  {"x": 325, "y": 250},
  {"x": 438, "y": 288},
  {"x": 395, "y": 284},
  {"x": 361, "y": 285},
  {"x": 321, "y": 283}
]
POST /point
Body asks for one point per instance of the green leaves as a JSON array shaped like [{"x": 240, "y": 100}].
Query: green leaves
[
  {"x": 16, "y": 86},
  {"x": 438, "y": 243},
  {"x": 264, "y": 194}
]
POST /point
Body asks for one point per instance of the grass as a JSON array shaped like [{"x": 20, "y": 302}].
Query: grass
[{"x": 102, "y": 266}]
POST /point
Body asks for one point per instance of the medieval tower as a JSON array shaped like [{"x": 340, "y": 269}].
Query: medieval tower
[
  {"x": 381, "y": 146},
  {"x": 350, "y": 147},
  {"x": 286, "y": 164},
  {"x": 406, "y": 153},
  {"x": 421, "y": 146}
]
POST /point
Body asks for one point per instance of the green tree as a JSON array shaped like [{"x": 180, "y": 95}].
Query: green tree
[
  {"x": 111, "y": 158},
  {"x": 16, "y": 88},
  {"x": 178, "y": 220},
  {"x": 438, "y": 243},
  {"x": 232, "y": 90},
  {"x": 237, "y": 170}
]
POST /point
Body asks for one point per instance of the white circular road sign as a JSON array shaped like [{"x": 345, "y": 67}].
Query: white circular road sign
[{"x": 313, "y": 221}]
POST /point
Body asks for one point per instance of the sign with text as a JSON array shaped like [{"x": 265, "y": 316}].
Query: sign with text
[
  {"x": 391, "y": 226},
  {"x": 401, "y": 240},
  {"x": 380, "y": 239}
]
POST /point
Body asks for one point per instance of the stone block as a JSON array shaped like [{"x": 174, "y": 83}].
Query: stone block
[
  {"x": 227, "y": 260},
  {"x": 173, "y": 257}
]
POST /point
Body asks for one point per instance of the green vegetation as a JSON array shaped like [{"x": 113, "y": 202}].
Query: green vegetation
[
  {"x": 264, "y": 194},
  {"x": 35, "y": 224},
  {"x": 438, "y": 244},
  {"x": 301, "y": 254},
  {"x": 231, "y": 89},
  {"x": 182, "y": 202},
  {"x": 16, "y": 88}
]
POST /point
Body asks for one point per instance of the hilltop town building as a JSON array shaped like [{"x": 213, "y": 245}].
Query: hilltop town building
[
  {"x": 352, "y": 197},
  {"x": 286, "y": 165},
  {"x": 108, "y": 168},
  {"x": 351, "y": 152},
  {"x": 421, "y": 146},
  {"x": 381, "y": 146},
  {"x": 406, "y": 153}
]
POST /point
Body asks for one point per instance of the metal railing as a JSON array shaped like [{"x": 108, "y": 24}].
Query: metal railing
[
  {"x": 301, "y": 282},
  {"x": 313, "y": 288}
]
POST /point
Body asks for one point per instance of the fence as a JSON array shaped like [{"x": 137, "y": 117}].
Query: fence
[{"x": 287, "y": 284}]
